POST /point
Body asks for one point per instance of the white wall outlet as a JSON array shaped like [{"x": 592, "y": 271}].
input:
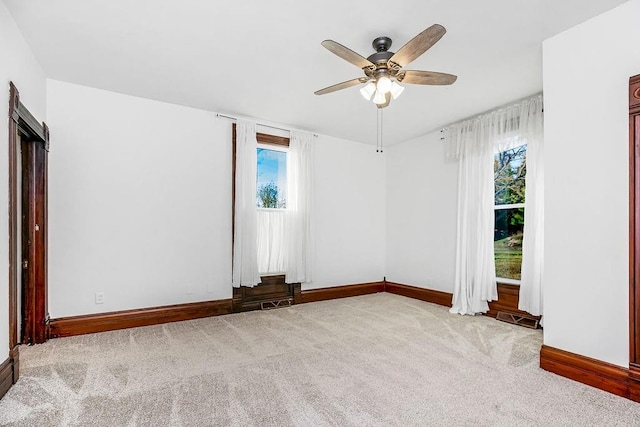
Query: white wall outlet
[
  {"x": 99, "y": 298},
  {"x": 189, "y": 289}
]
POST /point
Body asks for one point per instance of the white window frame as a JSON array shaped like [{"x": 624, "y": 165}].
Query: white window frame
[
  {"x": 511, "y": 146},
  {"x": 282, "y": 149}
]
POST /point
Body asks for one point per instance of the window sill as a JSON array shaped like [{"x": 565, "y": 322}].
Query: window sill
[{"x": 505, "y": 281}]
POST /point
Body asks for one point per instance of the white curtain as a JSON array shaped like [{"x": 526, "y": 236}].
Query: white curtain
[
  {"x": 533, "y": 239},
  {"x": 245, "y": 251},
  {"x": 299, "y": 248},
  {"x": 473, "y": 143},
  {"x": 475, "y": 275},
  {"x": 271, "y": 240}
]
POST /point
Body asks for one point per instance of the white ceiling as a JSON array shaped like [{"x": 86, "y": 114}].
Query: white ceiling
[{"x": 264, "y": 59}]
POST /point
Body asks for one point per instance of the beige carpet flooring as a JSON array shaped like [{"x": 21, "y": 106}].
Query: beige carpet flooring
[{"x": 374, "y": 360}]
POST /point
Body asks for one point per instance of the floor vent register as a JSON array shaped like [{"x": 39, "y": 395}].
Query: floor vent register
[{"x": 518, "y": 319}]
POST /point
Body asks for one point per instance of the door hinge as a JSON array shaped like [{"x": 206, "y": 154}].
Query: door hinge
[{"x": 25, "y": 264}]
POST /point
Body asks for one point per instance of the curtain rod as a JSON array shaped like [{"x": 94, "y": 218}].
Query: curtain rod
[
  {"x": 259, "y": 124},
  {"x": 493, "y": 110}
]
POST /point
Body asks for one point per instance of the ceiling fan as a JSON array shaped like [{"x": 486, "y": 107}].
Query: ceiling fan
[{"x": 383, "y": 69}]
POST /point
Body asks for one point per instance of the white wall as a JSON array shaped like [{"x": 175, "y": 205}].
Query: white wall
[
  {"x": 140, "y": 204},
  {"x": 586, "y": 73},
  {"x": 421, "y": 214},
  {"x": 139, "y": 207},
  {"x": 349, "y": 213},
  {"x": 18, "y": 65}
]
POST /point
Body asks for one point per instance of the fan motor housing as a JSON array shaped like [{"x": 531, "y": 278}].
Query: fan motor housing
[
  {"x": 381, "y": 45},
  {"x": 379, "y": 57}
]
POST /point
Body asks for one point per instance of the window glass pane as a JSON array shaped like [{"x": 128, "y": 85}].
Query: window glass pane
[
  {"x": 509, "y": 169},
  {"x": 272, "y": 179},
  {"x": 507, "y": 242}
]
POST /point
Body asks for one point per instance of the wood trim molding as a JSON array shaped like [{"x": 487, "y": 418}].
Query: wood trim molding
[
  {"x": 596, "y": 373},
  {"x": 27, "y": 123},
  {"x": 323, "y": 294},
  {"x": 9, "y": 372},
  {"x": 101, "y": 322},
  {"x": 272, "y": 288},
  {"x": 634, "y": 382},
  {"x": 14, "y": 101},
  {"x": 508, "y": 299},
  {"x": 634, "y": 238},
  {"x": 24, "y": 127},
  {"x": 634, "y": 94},
  {"x": 265, "y": 138},
  {"x": 423, "y": 294},
  {"x": 14, "y": 356},
  {"x": 6, "y": 377}
]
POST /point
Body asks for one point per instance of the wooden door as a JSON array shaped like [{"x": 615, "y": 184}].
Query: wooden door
[
  {"x": 34, "y": 243},
  {"x": 24, "y": 128}
]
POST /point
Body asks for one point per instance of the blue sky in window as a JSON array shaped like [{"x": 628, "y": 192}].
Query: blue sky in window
[{"x": 272, "y": 167}]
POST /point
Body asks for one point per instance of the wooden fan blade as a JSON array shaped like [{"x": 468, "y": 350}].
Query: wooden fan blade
[
  {"x": 388, "y": 96},
  {"x": 426, "y": 78},
  {"x": 347, "y": 54},
  {"x": 341, "y": 86},
  {"x": 418, "y": 45}
]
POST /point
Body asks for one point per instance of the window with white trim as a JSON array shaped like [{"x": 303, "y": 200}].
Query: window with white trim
[
  {"x": 272, "y": 177},
  {"x": 271, "y": 203},
  {"x": 509, "y": 176}
]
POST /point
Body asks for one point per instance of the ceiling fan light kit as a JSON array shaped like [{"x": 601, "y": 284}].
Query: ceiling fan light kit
[
  {"x": 383, "y": 69},
  {"x": 368, "y": 90},
  {"x": 396, "y": 90},
  {"x": 379, "y": 98},
  {"x": 383, "y": 84}
]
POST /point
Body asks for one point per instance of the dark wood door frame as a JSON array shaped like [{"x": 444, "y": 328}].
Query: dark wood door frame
[
  {"x": 25, "y": 128},
  {"x": 634, "y": 238},
  {"x": 34, "y": 317}
]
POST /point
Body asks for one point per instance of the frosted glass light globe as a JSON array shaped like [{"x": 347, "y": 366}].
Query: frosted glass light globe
[
  {"x": 367, "y": 90},
  {"x": 395, "y": 90},
  {"x": 384, "y": 84},
  {"x": 379, "y": 98}
]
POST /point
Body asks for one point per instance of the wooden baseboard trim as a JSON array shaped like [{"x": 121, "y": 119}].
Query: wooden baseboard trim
[
  {"x": 272, "y": 288},
  {"x": 6, "y": 377},
  {"x": 102, "y": 322},
  {"x": 634, "y": 382},
  {"x": 14, "y": 356},
  {"x": 9, "y": 372},
  {"x": 508, "y": 298},
  {"x": 322, "y": 294},
  {"x": 596, "y": 373},
  {"x": 423, "y": 294}
]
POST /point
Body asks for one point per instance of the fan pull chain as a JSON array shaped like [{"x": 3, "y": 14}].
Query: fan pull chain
[{"x": 379, "y": 146}]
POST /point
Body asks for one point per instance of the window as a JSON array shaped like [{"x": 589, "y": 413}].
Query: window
[
  {"x": 272, "y": 152},
  {"x": 509, "y": 175},
  {"x": 271, "y": 202},
  {"x": 272, "y": 177}
]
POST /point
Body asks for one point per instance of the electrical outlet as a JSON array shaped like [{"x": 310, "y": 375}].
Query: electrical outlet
[
  {"x": 99, "y": 298},
  {"x": 189, "y": 289}
]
